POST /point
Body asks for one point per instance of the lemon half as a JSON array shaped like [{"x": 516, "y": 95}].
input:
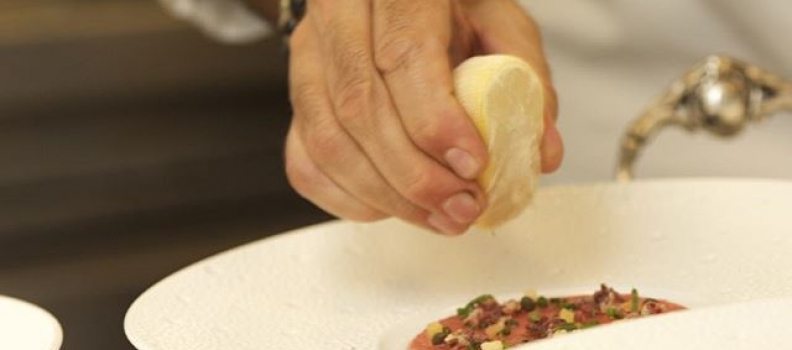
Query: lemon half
[{"x": 504, "y": 98}]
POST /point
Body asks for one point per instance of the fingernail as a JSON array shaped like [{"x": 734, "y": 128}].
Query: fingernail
[
  {"x": 463, "y": 163},
  {"x": 443, "y": 224},
  {"x": 462, "y": 207},
  {"x": 552, "y": 149}
]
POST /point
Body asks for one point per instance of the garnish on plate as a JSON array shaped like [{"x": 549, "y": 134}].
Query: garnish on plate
[{"x": 486, "y": 324}]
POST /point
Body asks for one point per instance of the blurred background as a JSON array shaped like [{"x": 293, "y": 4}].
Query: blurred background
[{"x": 130, "y": 146}]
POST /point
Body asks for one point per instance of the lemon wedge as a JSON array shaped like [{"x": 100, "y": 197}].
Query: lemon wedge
[{"x": 504, "y": 98}]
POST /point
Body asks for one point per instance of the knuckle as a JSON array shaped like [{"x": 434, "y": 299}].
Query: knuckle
[
  {"x": 354, "y": 99},
  {"x": 398, "y": 47},
  {"x": 349, "y": 55},
  {"x": 300, "y": 175},
  {"x": 420, "y": 187},
  {"x": 394, "y": 48},
  {"x": 323, "y": 144},
  {"x": 303, "y": 98},
  {"x": 425, "y": 133}
]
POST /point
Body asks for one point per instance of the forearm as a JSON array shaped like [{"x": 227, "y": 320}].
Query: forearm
[{"x": 267, "y": 9}]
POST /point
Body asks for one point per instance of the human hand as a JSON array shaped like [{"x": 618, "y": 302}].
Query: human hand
[{"x": 377, "y": 131}]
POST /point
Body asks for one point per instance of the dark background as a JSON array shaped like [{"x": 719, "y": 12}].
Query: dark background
[{"x": 130, "y": 146}]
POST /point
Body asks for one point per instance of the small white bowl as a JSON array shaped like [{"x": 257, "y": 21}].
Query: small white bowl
[{"x": 24, "y": 326}]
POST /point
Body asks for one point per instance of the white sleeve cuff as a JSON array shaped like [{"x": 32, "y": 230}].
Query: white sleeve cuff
[{"x": 227, "y": 20}]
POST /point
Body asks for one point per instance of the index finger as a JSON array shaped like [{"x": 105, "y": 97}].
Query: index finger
[
  {"x": 412, "y": 40},
  {"x": 363, "y": 106}
]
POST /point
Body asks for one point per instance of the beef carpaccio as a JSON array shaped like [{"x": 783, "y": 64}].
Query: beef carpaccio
[{"x": 486, "y": 324}]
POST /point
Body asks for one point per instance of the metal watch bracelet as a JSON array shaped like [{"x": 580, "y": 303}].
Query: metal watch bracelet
[{"x": 291, "y": 12}]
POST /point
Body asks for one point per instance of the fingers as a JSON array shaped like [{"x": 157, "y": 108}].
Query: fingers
[
  {"x": 327, "y": 145},
  {"x": 325, "y": 163},
  {"x": 306, "y": 178},
  {"x": 411, "y": 52},
  {"x": 362, "y": 106},
  {"x": 552, "y": 147},
  {"x": 503, "y": 27}
]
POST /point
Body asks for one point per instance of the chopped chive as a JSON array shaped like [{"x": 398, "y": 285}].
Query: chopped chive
[
  {"x": 480, "y": 299},
  {"x": 635, "y": 300},
  {"x": 568, "y": 305},
  {"x": 534, "y": 316},
  {"x": 541, "y": 302},
  {"x": 567, "y": 327},
  {"x": 614, "y": 314},
  {"x": 463, "y": 312},
  {"x": 589, "y": 324},
  {"x": 439, "y": 338},
  {"x": 555, "y": 301},
  {"x": 527, "y": 304}
]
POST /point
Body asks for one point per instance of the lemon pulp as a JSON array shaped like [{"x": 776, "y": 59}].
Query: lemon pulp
[{"x": 504, "y": 98}]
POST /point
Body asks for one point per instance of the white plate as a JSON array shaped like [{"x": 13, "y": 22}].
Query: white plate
[
  {"x": 345, "y": 285},
  {"x": 762, "y": 324},
  {"x": 24, "y": 326},
  {"x": 400, "y": 335}
]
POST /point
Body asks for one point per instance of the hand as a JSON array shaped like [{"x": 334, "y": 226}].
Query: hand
[{"x": 377, "y": 131}]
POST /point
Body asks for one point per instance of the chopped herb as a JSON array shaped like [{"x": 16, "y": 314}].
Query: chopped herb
[
  {"x": 614, "y": 314},
  {"x": 463, "y": 312},
  {"x": 439, "y": 338},
  {"x": 568, "y": 305},
  {"x": 530, "y": 317},
  {"x": 567, "y": 327},
  {"x": 527, "y": 304},
  {"x": 541, "y": 302},
  {"x": 480, "y": 299}
]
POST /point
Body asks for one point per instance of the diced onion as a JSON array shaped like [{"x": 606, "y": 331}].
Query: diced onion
[
  {"x": 432, "y": 329},
  {"x": 492, "y": 345},
  {"x": 567, "y": 315}
]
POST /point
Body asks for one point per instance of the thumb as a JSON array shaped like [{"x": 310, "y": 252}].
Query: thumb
[{"x": 503, "y": 27}]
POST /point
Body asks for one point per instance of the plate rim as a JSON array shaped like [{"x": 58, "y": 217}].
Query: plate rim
[{"x": 332, "y": 224}]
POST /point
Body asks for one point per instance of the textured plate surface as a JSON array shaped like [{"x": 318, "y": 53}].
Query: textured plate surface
[
  {"x": 344, "y": 286},
  {"x": 24, "y": 326},
  {"x": 752, "y": 325}
]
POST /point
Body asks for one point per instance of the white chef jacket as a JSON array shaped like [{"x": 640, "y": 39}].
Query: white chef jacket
[{"x": 609, "y": 59}]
